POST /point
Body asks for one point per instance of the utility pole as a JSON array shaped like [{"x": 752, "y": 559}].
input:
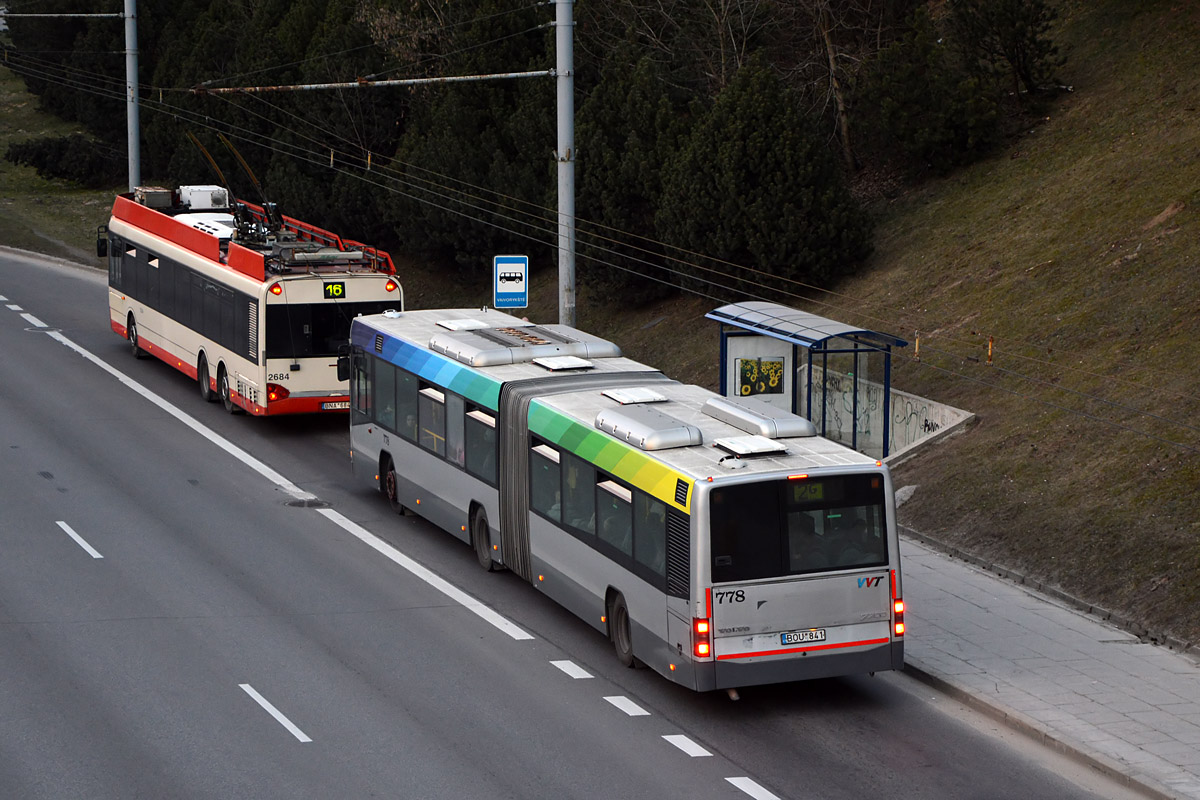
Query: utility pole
[
  {"x": 564, "y": 75},
  {"x": 564, "y": 21},
  {"x": 132, "y": 121},
  {"x": 131, "y": 84}
]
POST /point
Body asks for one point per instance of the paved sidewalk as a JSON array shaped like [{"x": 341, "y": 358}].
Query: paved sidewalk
[{"x": 1079, "y": 684}]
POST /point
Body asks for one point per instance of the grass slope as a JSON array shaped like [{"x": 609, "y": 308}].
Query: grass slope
[{"x": 1072, "y": 251}]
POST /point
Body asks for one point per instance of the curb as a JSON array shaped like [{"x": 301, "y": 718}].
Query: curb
[{"x": 1030, "y": 730}]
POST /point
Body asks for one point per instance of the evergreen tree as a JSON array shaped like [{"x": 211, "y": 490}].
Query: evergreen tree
[
  {"x": 755, "y": 186},
  {"x": 917, "y": 103},
  {"x": 1008, "y": 37},
  {"x": 629, "y": 127}
]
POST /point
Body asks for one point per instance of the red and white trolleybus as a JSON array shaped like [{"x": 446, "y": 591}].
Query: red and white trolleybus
[{"x": 252, "y": 304}]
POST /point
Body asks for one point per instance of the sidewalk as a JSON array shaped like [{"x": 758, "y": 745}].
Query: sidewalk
[{"x": 1078, "y": 684}]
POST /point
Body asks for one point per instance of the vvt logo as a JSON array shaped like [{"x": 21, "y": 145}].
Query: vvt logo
[{"x": 870, "y": 582}]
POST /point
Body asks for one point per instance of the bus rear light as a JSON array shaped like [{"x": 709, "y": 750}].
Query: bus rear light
[
  {"x": 898, "y": 618},
  {"x": 276, "y": 289},
  {"x": 701, "y": 638},
  {"x": 797, "y": 477},
  {"x": 276, "y": 392},
  {"x": 391, "y": 286}
]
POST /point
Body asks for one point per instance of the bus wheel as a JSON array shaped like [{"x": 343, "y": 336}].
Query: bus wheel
[
  {"x": 131, "y": 333},
  {"x": 206, "y": 392},
  {"x": 390, "y": 486},
  {"x": 223, "y": 390},
  {"x": 481, "y": 540},
  {"x": 618, "y": 630}
]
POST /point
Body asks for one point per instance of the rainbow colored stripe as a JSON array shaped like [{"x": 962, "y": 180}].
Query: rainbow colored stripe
[
  {"x": 432, "y": 367},
  {"x": 627, "y": 463}
]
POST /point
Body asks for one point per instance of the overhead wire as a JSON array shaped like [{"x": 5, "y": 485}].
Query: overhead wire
[{"x": 449, "y": 194}]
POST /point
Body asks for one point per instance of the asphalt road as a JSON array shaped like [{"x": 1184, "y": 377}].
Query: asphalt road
[{"x": 175, "y": 623}]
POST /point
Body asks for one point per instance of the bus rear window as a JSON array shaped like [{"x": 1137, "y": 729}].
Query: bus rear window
[
  {"x": 776, "y": 528},
  {"x": 300, "y": 330}
]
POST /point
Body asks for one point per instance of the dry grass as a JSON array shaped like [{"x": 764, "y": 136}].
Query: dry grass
[{"x": 1073, "y": 250}]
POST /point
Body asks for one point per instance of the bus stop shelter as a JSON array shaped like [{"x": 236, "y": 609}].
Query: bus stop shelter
[{"x": 836, "y": 375}]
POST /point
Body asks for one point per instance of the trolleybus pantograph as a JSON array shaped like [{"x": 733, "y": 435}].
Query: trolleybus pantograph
[
  {"x": 251, "y": 304},
  {"x": 718, "y": 540}
]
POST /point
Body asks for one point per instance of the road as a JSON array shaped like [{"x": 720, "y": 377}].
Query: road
[{"x": 176, "y": 621}]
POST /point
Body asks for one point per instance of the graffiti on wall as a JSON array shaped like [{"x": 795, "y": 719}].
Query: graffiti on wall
[{"x": 911, "y": 418}]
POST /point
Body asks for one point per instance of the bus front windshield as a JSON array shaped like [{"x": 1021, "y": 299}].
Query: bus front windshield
[
  {"x": 780, "y": 527},
  {"x": 299, "y": 330}
]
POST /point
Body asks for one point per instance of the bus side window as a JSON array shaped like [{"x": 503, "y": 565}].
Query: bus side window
[
  {"x": 650, "y": 533},
  {"x": 545, "y": 482},
  {"x": 480, "y": 436},
  {"x": 579, "y": 494},
  {"x": 614, "y": 513},
  {"x": 407, "y": 386},
  {"x": 360, "y": 390},
  {"x": 385, "y": 395},
  {"x": 455, "y": 446},
  {"x": 431, "y": 419}
]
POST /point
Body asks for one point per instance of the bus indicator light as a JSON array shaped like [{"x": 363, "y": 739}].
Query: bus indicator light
[
  {"x": 391, "y": 285},
  {"x": 276, "y": 289},
  {"x": 898, "y": 624}
]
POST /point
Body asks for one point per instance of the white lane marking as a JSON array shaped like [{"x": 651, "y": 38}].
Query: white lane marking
[
  {"x": 15, "y": 308},
  {"x": 274, "y": 712},
  {"x": 79, "y": 539},
  {"x": 751, "y": 788},
  {"x": 3, "y": 299},
  {"x": 434, "y": 580},
  {"x": 628, "y": 706},
  {"x": 241, "y": 455},
  {"x": 687, "y": 745},
  {"x": 429, "y": 576},
  {"x": 34, "y": 321},
  {"x": 572, "y": 669}
]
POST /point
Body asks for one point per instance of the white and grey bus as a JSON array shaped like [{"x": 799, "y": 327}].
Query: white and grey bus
[{"x": 719, "y": 541}]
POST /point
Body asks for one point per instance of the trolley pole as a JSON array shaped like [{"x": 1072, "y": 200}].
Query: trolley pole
[{"x": 565, "y": 78}]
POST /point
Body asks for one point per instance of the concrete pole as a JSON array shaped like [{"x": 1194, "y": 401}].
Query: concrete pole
[
  {"x": 565, "y": 78},
  {"x": 131, "y": 95}
]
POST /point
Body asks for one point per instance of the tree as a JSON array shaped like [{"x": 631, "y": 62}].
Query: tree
[
  {"x": 630, "y": 125},
  {"x": 1008, "y": 36},
  {"x": 915, "y": 101},
  {"x": 755, "y": 186}
]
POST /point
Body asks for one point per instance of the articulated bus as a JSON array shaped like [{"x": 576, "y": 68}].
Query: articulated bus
[
  {"x": 251, "y": 304},
  {"x": 719, "y": 541}
]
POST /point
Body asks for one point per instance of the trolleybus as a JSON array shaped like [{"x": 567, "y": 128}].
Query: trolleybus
[
  {"x": 719, "y": 541},
  {"x": 251, "y": 304}
]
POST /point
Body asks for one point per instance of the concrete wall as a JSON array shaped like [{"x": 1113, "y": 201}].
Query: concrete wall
[{"x": 913, "y": 420}]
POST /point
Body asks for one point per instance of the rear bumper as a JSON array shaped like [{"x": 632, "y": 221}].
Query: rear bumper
[{"x": 731, "y": 674}]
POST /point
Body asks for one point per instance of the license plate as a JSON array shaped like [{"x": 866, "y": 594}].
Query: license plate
[
  {"x": 800, "y": 637},
  {"x": 342, "y": 405}
]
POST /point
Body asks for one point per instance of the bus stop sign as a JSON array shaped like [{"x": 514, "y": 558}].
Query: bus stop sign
[{"x": 510, "y": 281}]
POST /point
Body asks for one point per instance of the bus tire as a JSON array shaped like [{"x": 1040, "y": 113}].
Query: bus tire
[
  {"x": 206, "y": 392},
  {"x": 132, "y": 334},
  {"x": 391, "y": 487},
  {"x": 619, "y": 631},
  {"x": 481, "y": 540},
  {"x": 224, "y": 392}
]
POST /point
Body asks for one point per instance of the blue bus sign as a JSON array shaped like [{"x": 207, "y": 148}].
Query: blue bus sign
[{"x": 510, "y": 281}]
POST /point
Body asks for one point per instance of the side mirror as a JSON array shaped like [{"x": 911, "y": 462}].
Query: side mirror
[
  {"x": 102, "y": 241},
  {"x": 343, "y": 363}
]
